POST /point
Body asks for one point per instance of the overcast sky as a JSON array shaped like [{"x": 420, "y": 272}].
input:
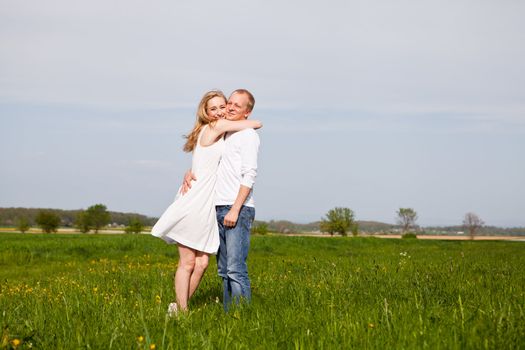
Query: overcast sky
[{"x": 371, "y": 105}]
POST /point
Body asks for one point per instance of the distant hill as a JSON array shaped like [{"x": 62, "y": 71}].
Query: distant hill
[
  {"x": 483, "y": 231},
  {"x": 376, "y": 227},
  {"x": 284, "y": 226}
]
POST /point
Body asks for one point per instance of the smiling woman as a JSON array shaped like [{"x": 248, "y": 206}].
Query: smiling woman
[{"x": 211, "y": 108}]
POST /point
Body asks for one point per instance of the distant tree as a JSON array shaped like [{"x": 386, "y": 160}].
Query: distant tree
[
  {"x": 48, "y": 221},
  {"x": 23, "y": 225},
  {"x": 355, "y": 229},
  {"x": 98, "y": 216},
  {"x": 406, "y": 217},
  {"x": 82, "y": 222},
  {"x": 260, "y": 229},
  {"x": 472, "y": 223},
  {"x": 135, "y": 226},
  {"x": 337, "y": 220}
]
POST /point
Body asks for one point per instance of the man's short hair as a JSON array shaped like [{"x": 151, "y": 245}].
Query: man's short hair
[{"x": 251, "y": 99}]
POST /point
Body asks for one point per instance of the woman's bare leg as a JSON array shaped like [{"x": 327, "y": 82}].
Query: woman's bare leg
[
  {"x": 201, "y": 264},
  {"x": 183, "y": 275}
]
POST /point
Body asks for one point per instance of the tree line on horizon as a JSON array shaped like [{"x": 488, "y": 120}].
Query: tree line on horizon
[
  {"x": 68, "y": 218},
  {"x": 24, "y": 218},
  {"x": 94, "y": 219}
]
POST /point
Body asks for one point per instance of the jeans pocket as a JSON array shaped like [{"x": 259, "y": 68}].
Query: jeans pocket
[{"x": 248, "y": 213}]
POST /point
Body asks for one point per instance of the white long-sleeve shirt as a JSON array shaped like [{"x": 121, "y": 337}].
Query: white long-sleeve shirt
[{"x": 238, "y": 167}]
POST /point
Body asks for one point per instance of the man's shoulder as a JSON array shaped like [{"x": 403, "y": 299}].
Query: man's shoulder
[{"x": 247, "y": 134}]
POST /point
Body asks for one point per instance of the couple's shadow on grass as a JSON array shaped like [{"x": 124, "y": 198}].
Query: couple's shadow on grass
[{"x": 212, "y": 294}]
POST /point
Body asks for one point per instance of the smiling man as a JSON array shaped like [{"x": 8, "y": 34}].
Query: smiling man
[{"x": 235, "y": 202}]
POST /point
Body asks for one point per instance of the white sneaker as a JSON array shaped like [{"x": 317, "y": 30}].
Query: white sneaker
[{"x": 173, "y": 309}]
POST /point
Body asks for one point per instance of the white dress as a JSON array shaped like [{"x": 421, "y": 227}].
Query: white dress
[{"x": 191, "y": 219}]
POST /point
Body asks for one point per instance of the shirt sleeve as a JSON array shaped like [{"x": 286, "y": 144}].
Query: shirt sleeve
[{"x": 249, "y": 152}]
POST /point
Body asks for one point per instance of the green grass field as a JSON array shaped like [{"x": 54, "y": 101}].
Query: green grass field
[{"x": 112, "y": 291}]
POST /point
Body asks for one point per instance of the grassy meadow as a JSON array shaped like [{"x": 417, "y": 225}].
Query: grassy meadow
[{"x": 111, "y": 292}]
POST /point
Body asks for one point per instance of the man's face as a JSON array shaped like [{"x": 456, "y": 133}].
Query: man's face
[{"x": 237, "y": 107}]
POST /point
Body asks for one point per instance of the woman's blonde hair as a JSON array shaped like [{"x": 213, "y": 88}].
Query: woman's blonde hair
[{"x": 202, "y": 119}]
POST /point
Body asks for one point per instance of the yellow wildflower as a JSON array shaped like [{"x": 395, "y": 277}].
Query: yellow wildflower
[
  {"x": 152, "y": 347},
  {"x": 15, "y": 342},
  {"x": 140, "y": 339}
]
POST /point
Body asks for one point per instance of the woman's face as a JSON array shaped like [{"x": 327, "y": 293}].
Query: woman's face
[{"x": 216, "y": 108}]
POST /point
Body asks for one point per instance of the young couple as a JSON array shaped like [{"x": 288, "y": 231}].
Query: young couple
[{"x": 214, "y": 208}]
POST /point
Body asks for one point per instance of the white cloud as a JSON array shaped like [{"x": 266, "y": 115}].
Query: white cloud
[{"x": 378, "y": 54}]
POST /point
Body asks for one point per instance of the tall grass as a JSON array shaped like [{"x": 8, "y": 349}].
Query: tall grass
[{"x": 104, "y": 292}]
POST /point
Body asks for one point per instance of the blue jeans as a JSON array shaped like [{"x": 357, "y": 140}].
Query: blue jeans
[{"x": 232, "y": 255}]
